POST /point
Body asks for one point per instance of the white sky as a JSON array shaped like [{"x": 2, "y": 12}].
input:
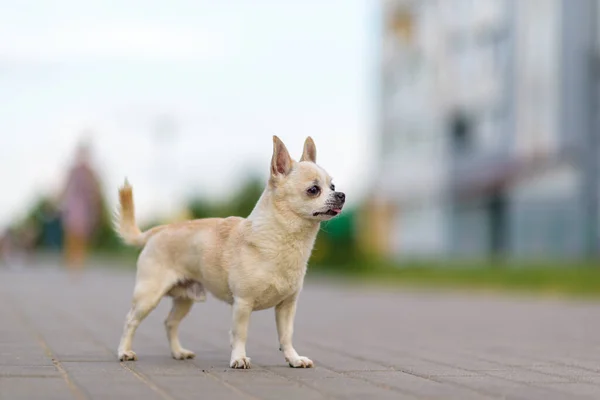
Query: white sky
[{"x": 231, "y": 74}]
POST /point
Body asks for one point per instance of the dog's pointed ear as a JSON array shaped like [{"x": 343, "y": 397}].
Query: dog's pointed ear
[
  {"x": 281, "y": 163},
  {"x": 310, "y": 151}
]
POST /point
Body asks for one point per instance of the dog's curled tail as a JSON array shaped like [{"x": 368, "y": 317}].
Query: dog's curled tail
[{"x": 124, "y": 221}]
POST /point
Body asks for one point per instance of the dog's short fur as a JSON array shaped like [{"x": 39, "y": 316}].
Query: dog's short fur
[{"x": 253, "y": 263}]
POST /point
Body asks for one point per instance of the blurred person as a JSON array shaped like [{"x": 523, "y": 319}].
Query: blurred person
[{"x": 80, "y": 205}]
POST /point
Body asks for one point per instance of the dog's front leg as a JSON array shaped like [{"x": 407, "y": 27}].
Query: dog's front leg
[
  {"x": 239, "y": 333},
  {"x": 284, "y": 316}
]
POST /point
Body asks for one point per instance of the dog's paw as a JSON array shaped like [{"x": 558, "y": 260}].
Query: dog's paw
[
  {"x": 300, "y": 362},
  {"x": 183, "y": 354},
  {"x": 240, "y": 363},
  {"x": 127, "y": 356}
]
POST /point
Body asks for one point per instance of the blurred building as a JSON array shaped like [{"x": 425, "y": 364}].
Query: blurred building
[{"x": 489, "y": 127}]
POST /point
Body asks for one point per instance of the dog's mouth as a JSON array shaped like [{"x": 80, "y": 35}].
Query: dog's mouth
[{"x": 332, "y": 212}]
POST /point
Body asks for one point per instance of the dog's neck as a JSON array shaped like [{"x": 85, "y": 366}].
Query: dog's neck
[{"x": 280, "y": 224}]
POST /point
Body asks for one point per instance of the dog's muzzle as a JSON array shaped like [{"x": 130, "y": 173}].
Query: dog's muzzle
[{"x": 335, "y": 206}]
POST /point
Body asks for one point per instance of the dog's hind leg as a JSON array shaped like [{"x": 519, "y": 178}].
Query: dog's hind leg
[
  {"x": 181, "y": 307},
  {"x": 146, "y": 296}
]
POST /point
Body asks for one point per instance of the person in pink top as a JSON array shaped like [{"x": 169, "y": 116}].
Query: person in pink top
[{"x": 81, "y": 209}]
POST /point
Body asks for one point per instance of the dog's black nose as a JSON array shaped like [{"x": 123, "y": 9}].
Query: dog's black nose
[{"x": 340, "y": 196}]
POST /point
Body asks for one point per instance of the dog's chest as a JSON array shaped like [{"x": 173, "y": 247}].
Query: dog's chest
[{"x": 284, "y": 278}]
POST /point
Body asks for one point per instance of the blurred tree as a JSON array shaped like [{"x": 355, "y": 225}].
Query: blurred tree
[
  {"x": 337, "y": 244},
  {"x": 240, "y": 204},
  {"x": 105, "y": 237},
  {"x": 201, "y": 208},
  {"x": 246, "y": 198}
]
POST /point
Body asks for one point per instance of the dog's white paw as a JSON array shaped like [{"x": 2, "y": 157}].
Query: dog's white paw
[
  {"x": 183, "y": 354},
  {"x": 128, "y": 355},
  {"x": 300, "y": 362},
  {"x": 240, "y": 363}
]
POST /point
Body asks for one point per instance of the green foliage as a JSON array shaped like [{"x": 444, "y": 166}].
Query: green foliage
[
  {"x": 240, "y": 204},
  {"x": 105, "y": 238},
  {"x": 336, "y": 246},
  {"x": 574, "y": 279}
]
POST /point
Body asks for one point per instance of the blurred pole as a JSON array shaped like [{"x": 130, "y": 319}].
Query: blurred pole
[
  {"x": 579, "y": 108},
  {"x": 594, "y": 134},
  {"x": 592, "y": 142}
]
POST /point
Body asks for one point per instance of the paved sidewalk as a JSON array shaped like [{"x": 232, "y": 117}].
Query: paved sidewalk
[{"x": 58, "y": 340}]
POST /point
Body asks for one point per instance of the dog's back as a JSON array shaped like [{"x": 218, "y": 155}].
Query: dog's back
[{"x": 126, "y": 227}]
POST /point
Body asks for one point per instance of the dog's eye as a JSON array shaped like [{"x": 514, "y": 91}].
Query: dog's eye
[
  {"x": 313, "y": 191},
  {"x": 332, "y": 187}
]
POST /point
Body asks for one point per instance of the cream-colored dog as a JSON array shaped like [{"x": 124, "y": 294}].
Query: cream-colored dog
[{"x": 253, "y": 263}]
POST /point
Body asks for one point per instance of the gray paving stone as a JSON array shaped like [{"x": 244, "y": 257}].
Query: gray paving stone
[
  {"x": 34, "y": 388},
  {"x": 343, "y": 388},
  {"x": 506, "y": 389},
  {"x": 264, "y": 384},
  {"x": 24, "y": 357},
  {"x": 569, "y": 372},
  {"x": 421, "y": 387},
  {"x": 527, "y": 376},
  {"x": 196, "y": 387},
  {"x": 8, "y": 371},
  {"x": 59, "y": 339},
  {"x": 579, "y": 389},
  {"x": 103, "y": 380}
]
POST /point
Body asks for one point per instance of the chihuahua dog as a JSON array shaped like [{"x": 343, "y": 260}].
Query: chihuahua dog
[{"x": 251, "y": 263}]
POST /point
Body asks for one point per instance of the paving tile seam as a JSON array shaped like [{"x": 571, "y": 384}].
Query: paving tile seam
[
  {"x": 296, "y": 381},
  {"x": 556, "y": 375},
  {"x": 559, "y": 363},
  {"x": 440, "y": 378},
  {"x": 329, "y": 368},
  {"x": 86, "y": 333},
  {"x": 483, "y": 372},
  {"x": 148, "y": 382},
  {"x": 226, "y": 384},
  {"x": 77, "y": 391}
]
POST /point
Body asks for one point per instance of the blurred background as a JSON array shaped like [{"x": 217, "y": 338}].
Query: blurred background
[{"x": 464, "y": 132}]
